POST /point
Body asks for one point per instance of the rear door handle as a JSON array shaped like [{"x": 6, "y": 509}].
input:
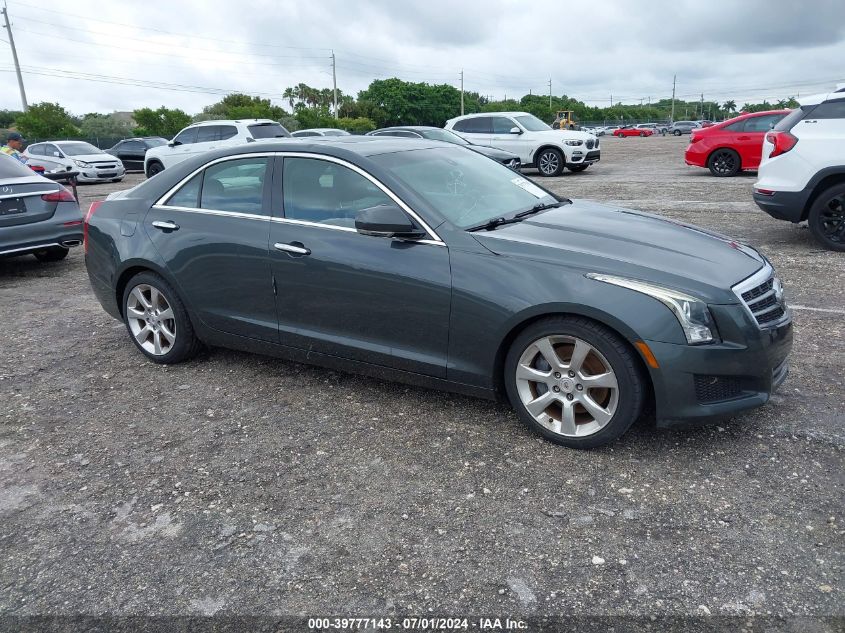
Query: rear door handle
[
  {"x": 743, "y": 138},
  {"x": 294, "y": 249},
  {"x": 165, "y": 225}
]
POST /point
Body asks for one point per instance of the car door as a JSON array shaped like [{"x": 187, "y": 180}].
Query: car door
[
  {"x": 749, "y": 142},
  {"x": 180, "y": 148},
  {"x": 373, "y": 299},
  {"x": 503, "y": 139},
  {"x": 132, "y": 154},
  {"x": 477, "y": 129},
  {"x": 228, "y": 135},
  {"x": 212, "y": 232}
]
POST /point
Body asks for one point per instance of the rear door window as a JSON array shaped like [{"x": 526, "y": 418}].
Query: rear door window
[
  {"x": 762, "y": 123},
  {"x": 208, "y": 133},
  {"x": 188, "y": 195},
  {"x": 235, "y": 185},
  {"x": 502, "y": 125},
  {"x": 227, "y": 132},
  {"x": 830, "y": 110},
  {"x": 35, "y": 150},
  {"x": 739, "y": 126},
  {"x": 475, "y": 125}
]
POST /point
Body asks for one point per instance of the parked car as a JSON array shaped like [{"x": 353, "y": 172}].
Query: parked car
[
  {"x": 92, "y": 163},
  {"x": 437, "y": 134},
  {"x": 802, "y": 173},
  {"x": 417, "y": 261},
  {"x": 320, "y": 131},
  {"x": 682, "y": 127},
  {"x": 131, "y": 151},
  {"x": 657, "y": 128},
  {"x": 632, "y": 130},
  {"x": 528, "y": 137},
  {"x": 208, "y": 135},
  {"x": 37, "y": 215},
  {"x": 733, "y": 145}
]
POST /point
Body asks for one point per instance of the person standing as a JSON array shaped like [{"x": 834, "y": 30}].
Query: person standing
[{"x": 13, "y": 147}]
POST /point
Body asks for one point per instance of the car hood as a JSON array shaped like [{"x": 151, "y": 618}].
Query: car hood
[
  {"x": 591, "y": 237},
  {"x": 558, "y": 135},
  {"x": 93, "y": 158}
]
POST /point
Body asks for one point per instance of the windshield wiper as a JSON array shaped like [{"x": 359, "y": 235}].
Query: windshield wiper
[{"x": 518, "y": 217}]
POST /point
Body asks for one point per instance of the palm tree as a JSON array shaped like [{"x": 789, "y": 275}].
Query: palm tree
[
  {"x": 729, "y": 106},
  {"x": 290, "y": 95}
]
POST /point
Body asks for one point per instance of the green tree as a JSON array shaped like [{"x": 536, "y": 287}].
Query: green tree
[
  {"x": 729, "y": 106},
  {"x": 46, "y": 120},
  {"x": 8, "y": 117},
  {"x": 162, "y": 122},
  {"x": 241, "y": 106},
  {"x": 105, "y": 125}
]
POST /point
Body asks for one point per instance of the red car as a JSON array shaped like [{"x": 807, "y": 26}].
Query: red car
[
  {"x": 730, "y": 146},
  {"x": 630, "y": 130}
]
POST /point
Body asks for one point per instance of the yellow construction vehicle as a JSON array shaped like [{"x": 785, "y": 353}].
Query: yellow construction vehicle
[{"x": 565, "y": 120}]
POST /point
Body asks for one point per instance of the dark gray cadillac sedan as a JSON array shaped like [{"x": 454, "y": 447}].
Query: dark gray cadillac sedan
[{"x": 423, "y": 262}]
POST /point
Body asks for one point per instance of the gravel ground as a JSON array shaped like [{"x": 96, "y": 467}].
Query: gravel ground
[{"x": 237, "y": 484}]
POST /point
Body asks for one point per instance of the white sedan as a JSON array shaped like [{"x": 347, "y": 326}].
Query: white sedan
[{"x": 92, "y": 163}]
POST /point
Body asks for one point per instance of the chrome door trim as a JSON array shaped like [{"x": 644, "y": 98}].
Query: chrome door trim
[
  {"x": 161, "y": 202},
  {"x": 167, "y": 225}
]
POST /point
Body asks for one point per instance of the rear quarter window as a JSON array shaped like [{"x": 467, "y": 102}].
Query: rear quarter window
[
  {"x": 787, "y": 122},
  {"x": 830, "y": 110}
]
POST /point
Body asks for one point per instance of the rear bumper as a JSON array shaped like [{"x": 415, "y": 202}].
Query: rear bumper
[
  {"x": 63, "y": 229},
  {"x": 783, "y": 205},
  {"x": 697, "y": 383}
]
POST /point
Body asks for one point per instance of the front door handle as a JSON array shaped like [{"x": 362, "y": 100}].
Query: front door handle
[
  {"x": 165, "y": 225},
  {"x": 295, "y": 249}
]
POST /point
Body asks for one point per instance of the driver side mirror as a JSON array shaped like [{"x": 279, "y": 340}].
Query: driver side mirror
[
  {"x": 174, "y": 143},
  {"x": 386, "y": 220},
  {"x": 515, "y": 130}
]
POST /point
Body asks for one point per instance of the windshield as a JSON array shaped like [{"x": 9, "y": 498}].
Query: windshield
[
  {"x": 268, "y": 130},
  {"x": 464, "y": 187},
  {"x": 79, "y": 149},
  {"x": 156, "y": 142},
  {"x": 532, "y": 123},
  {"x": 445, "y": 135}
]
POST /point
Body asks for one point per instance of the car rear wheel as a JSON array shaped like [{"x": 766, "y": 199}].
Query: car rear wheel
[
  {"x": 723, "y": 162},
  {"x": 643, "y": 134},
  {"x": 54, "y": 254},
  {"x": 574, "y": 381},
  {"x": 677, "y": 132},
  {"x": 157, "y": 321},
  {"x": 154, "y": 168},
  {"x": 827, "y": 218},
  {"x": 550, "y": 162}
]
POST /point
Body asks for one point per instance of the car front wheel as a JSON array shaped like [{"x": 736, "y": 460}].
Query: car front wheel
[
  {"x": 827, "y": 218},
  {"x": 677, "y": 132},
  {"x": 550, "y": 162},
  {"x": 157, "y": 321},
  {"x": 574, "y": 381},
  {"x": 154, "y": 168}
]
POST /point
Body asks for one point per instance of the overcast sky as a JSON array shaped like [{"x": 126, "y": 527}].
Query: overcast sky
[{"x": 746, "y": 50}]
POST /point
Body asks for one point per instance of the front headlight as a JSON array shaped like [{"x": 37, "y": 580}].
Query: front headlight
[
  {"x": 693, "y": 314},
  {"x": 80, "y": 163},
  {"x": 574, "y": 143}
]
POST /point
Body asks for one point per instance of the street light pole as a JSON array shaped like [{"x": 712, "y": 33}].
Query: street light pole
[{"x": 5, "y": 12}]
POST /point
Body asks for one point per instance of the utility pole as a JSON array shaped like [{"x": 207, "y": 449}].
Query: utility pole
[
  {"x": 702, "y": 105},
  {"x": 672, "y": 117},
  {"x": 611, "y": 99},
  {"x": 462, "y": 91},
  {"x": 334, "y": 83},
  {"x": 5, "y": 12},
  {"x": 550, "y": 93}
]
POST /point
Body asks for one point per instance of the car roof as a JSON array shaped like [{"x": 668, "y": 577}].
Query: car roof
[
  {"x": 478, "y": 114},
  {"x": 412, "y": 128},
  {"x": 821, "y": 97},
  {"x": 340, "y": 145},
  {"x": 66, "y": 141},
  {"x": 230, "y": 121}
]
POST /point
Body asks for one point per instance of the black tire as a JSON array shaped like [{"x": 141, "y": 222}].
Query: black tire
[
  {"x": 53, "y": 254},
  {"x": 186, "y": 344},
  {"x": 630, "y": 376},
  {"x": 677, "y": 132},
  {"x": 577, "y": 168},
  {"x": 827, "y": 218},
  {"x": 154, "y": 168},
  {"x": 724, "y": 163},
  {"x": 553, "y": 159}
]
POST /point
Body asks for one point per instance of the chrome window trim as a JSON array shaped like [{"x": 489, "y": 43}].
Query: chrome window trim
[{"x": 160, "y": 203}]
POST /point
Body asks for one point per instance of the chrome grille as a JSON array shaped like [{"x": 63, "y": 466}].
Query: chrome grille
[{"x": 760, "y": 295}]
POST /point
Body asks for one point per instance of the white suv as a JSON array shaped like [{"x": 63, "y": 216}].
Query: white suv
[
  {"x": 207, "y": 135},
  {"x": 529, "y": 138},
  {"x": 802, "y": 173}
]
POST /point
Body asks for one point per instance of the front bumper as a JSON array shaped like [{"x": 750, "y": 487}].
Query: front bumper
[
  {"x": 718, "y": 380},
  {"x": 100, "y": 175},
  {"x": 581, "y": 157},
  {"x": 783, "y": 205}
]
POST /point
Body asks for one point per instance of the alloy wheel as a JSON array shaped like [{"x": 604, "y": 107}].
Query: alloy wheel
[
  {"x": 549, "y": 163},
  {"x": 151, "y": 319},
  {"x": 724, "y": 163},
  {"x": 567, "y": 385},
  {"x": 832, "y": 219}
]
